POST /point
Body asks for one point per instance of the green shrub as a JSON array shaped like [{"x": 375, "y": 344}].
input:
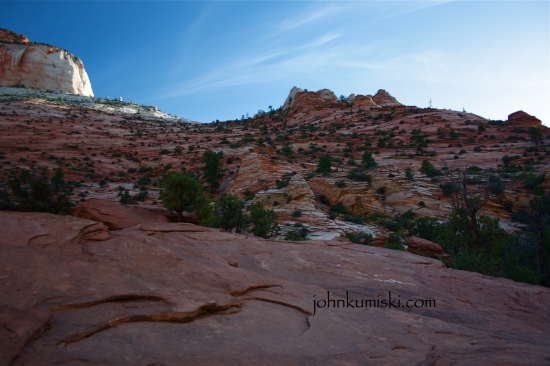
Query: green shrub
[
  {"x": 425, "y": 227},
  {"x": 367, "y": 161},
  {"x": 263, "y": 221},
  {"x": 180, "y": 192},
  {"x": 339, "y": 209},
  {"x": 248, "y": 195},
  {"x": 226, "y": 213},
  {"x": 496, "y": 184},
  {"x": 145, "y": 180},
  {"x": 340, "y": 183},
  {"x": 533, "y": 181},
  {"x": 324, "y": 165},
  {"x": 428, "y": 169},
  {"x": 38, "y": 196},
  {"x": 394, "y": 241},
  {"x": 409, "y": 174},
  {"x": 359, "y": 176},
  {"x": 358, "y": 238},
  {"x": 212, "y": 168},
  {"x": 294, "y": 235}
]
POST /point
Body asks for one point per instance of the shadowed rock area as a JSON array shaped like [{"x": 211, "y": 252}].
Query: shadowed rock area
[{"x": 75, "y": 293}]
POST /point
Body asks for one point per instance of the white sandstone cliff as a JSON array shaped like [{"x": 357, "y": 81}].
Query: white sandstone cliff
[{"x": 42, "y": 67}]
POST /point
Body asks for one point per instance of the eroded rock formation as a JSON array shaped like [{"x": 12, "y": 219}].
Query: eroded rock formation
[
  {"x": 383, "y": 98},
  {"x": 40, "y": 66},
  {"x": 300, "y": 100},
  {"x": 520, "y": 118}
]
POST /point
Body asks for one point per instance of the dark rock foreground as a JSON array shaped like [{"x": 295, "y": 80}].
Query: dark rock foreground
[{"x": 75, "y": 293}]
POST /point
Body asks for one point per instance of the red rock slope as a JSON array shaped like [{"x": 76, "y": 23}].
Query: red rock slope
[{"x": 174, "y": 294}]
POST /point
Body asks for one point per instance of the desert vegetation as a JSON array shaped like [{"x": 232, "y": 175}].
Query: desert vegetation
[{"x": 318, "y": 165}]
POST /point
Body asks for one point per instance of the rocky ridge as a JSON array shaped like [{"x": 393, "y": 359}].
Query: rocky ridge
[{"x": 106, "y": 105}]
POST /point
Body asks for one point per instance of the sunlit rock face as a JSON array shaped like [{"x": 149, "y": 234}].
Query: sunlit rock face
[
  {"x": 522, "y": 119},
  {"x": 290, "y": 99},
  {"x": 41, "y": 66},
  {"x": 9, "y": 36},
  {"x": 383, "y": 98}
]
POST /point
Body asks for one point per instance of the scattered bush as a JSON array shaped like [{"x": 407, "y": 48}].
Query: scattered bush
[
  {"x": 38, "y": 196},
  {"x": 428, "y": 169},
  {"x": 340, "y": 183},
  {"x": 358, "y": 238},
  {"x": 409, "y": 174},
  {"x": 294, "y": 235}
]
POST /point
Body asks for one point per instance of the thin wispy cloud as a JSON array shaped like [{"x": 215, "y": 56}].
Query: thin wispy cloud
[
  {"x": 310, "y": 16},
  {"x": 412, "y": 7},
  {"x": 256, "y": 69}
]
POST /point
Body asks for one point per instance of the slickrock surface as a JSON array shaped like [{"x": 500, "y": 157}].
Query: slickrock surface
[
  {"x": 41, "y": 66},
  {"x": 173, "y": 294}
]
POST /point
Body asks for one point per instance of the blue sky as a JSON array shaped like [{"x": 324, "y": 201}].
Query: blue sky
[{"x": 220, "y": 60}]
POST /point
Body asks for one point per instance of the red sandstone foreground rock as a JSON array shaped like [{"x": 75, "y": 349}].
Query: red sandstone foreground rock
[
  {"x": 424, "y": 247},
  {"x": 172, "y": 294},
  {"x": 116, "y": 216},
  {"x": 41, "y": 66}
]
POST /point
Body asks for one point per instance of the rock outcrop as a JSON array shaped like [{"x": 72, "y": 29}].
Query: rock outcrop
[
  {"x": 300, "y": 100},
  {"x": 172, "y": 294},
  {"x": 290, "y": 99},
  {"x": 9, "y": 36},
  {"x": 328, "y": 95},
  {"x": 383, "y": 98},
  {"x": 425, "y": 248},
  {"x": 304, "y": 101},
  {"x": 116, "y": 216},
  {"x": 40, "y": 66},
  {"x": 520, "y": 118},
  {"x": 363, "y": 101}
]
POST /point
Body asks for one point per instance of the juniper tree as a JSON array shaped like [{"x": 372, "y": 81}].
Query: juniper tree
[
  {"x": 263, "y": 221},
  {"x": 212, "y": 168},
  {"x": 367, "y": 161},
  {"x": 535, "y": 134},
  {"x": 179, "y": 192},
  {"x": 324, "y": 165}
]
